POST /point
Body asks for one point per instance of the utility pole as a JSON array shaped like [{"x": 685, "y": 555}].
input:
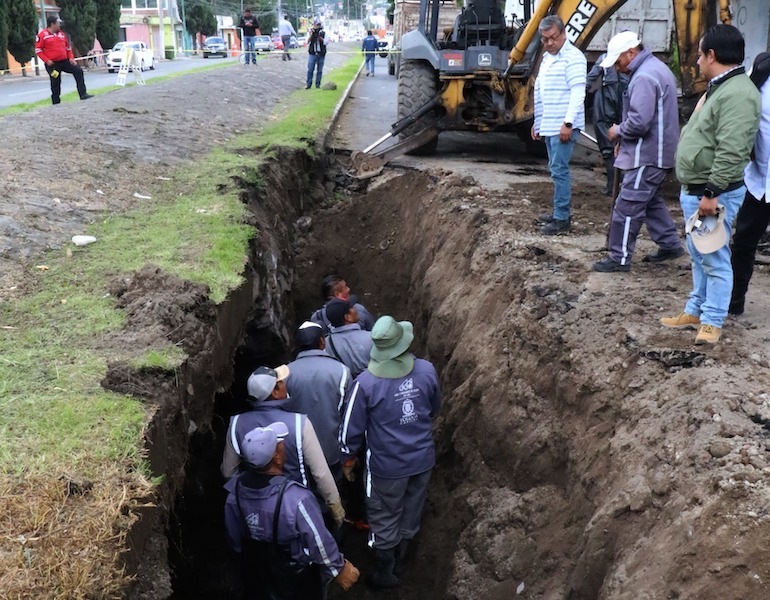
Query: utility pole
[{"x": 184, "y": 31}]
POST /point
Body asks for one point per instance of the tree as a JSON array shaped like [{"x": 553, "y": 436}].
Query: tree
[
  {"x": 201, "y": 19},
  {"x": 3, "y": 36},
  {"x": 22, "y": 22},
  {"x": 107, "y": 22},
  {"x": 79, "y": 18}
]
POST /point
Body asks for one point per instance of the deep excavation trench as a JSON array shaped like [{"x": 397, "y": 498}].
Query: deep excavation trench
[{"x": 546, "y": 485}]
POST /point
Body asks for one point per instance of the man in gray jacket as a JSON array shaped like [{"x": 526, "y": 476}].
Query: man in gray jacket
[
  {"x": 347, "y": 342},
  {"x": 646, "y": 138},
  {"x": 317, "y": 388}
]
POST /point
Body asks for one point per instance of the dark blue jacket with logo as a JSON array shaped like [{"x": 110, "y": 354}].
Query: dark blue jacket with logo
[
  {"x": 300, "y": 527},
  {"x": 394, "y": 417}
]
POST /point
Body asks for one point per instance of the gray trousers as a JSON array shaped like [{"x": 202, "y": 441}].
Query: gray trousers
[
  {"x": 641, "y": 201},
  {"x": 394, "y": 508}
]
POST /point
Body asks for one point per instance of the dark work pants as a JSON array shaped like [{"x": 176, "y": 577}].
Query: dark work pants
[
  {"x": 394, "y": 507},
  {"x": 752, "y": 221},
  {"x": 65, "y": 66},
  {"x": 641, "y": 201},
  {"x": 315, "y": 62}
]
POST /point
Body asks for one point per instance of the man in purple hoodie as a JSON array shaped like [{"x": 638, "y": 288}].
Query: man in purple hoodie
[
  {"x": 274, "y": 524},
  {"x": 646, "y": 138}
]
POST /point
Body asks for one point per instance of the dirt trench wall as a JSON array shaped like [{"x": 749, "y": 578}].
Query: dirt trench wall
[
  {"x": 162, "y": 307},
  {"x": 571, "y": 464}
]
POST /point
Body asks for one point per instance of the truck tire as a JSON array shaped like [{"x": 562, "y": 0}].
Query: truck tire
[{"x": 417, "y": 83}]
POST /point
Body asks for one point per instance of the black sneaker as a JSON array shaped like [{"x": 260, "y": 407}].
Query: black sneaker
[
  {"x": 86, "y": 96},
  {"x": 662, "y": 254},
  {"x": 544, "y": 218},
  {"x": 555, "y": 227},
  {"x": 608, "y": 265}
]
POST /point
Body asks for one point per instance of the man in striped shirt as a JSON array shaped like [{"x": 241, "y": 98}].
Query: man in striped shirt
[
  {"x": 560, "y": 90},
  {"x": 646, "y": 137}
]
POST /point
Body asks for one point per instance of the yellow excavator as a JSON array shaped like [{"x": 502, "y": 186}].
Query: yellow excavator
[{"x": 479, "y": 74}]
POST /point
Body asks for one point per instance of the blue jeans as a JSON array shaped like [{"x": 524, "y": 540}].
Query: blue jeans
[
  {"x": 248, "y": 46},
  {"x": 370, "y": 62},
  {"x": 315, "y": 61},
  {"x": 559, "y": 155},
  {"x": 712, "y": 274}
]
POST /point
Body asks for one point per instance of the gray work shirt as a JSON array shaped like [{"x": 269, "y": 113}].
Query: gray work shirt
[
  {"x": 317, "y": 387},
  {"x": 351, "y": 345}
]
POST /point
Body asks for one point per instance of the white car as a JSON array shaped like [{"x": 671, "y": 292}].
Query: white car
[{"x": 144, "y": 54}]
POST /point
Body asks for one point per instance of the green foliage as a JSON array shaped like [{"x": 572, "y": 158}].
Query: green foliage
[
  {"x": 22, "y": 21},
  {"x": 107, "y": 22},
  {"x": 79, "y": 18},
  {"x": 3, "y": 36},
  {"x": 201, "y": 19}
]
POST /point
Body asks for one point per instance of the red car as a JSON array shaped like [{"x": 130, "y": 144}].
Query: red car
[{"x": 277, "y": 42}]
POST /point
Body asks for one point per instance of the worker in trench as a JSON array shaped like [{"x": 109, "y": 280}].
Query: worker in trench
[
  {"x": 390, "y": 408},
  {"x": 268, "y": 397},
  {"x": 275, "y": 526}
]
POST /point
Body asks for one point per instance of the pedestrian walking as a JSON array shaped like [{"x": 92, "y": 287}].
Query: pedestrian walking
[
  {"x": 316, "y": 49},
  {"x": 754, "y": 214},
  {"x": 646, "y": 138},
  {"x": 268, "y": 397},
  {"x": 369, "y": 48},
  {"x": 286, "y": 30},
  {"x": 560, "y": 90},
  {"x": 250, "y": 27},
  {"x": 335, "y": 286},
  {"x": 53, "y": 48},
  {"x": 391, "y": 408},
  {"x": 608, "y": 85},
  {"x": 274, "y": 525},
  {"x": 712, "y": 154}
]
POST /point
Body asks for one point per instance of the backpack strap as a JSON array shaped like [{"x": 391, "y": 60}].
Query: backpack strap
[{"x": 276, "y": 515}]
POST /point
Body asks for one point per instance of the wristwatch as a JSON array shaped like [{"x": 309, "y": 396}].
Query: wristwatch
[
  {"x": 709, "y": 193},
  {"x": 568, "y": 125}
]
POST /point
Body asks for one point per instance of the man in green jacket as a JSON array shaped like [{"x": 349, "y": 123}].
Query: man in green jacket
[{"x": 713, "y": 151}]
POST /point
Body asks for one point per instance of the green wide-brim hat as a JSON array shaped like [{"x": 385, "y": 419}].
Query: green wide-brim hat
[
  {"x": 390, "y": 338},
  {"x": 394, "y": 368}
]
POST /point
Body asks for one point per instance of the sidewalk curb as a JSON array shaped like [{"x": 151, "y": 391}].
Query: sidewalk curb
[{"x": 338, "y": 108}]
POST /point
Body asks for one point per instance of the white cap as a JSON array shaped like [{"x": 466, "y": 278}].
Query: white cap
[
  {"x": 708, "y": 234},
  {"x": 620, "y": 43},
  {"x": 261, "y": 382}
]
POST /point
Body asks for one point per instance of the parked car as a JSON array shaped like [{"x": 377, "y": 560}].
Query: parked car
[
  {"x": 215, "y": 46},
  {"x": 115, "y": 56},
  {"x": 293, "y": 43},
  {"x": 383, "y": 47},
  {"x": 277, "y": 42},
  {"x": 264, "y": 44},
  {"x": 302, "y": 40}
]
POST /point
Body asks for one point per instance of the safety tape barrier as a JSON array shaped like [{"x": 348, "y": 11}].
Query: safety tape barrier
[{"x": 101, "y": 57}]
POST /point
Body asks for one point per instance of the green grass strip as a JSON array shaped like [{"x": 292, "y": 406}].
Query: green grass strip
[{"x": 56, "y": 339}]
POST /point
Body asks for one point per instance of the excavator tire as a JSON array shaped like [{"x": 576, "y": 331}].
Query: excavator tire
[{"x": 417, "y": 83}]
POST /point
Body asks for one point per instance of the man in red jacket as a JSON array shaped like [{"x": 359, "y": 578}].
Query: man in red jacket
[{"x": 53, "y": 48}]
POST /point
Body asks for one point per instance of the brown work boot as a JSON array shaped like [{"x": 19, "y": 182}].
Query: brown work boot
[
  {"x": 707, "y": 334},
  {"x": 681, "y": 321}
]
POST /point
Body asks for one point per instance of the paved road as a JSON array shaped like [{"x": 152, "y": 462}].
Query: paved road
[{"x": 19, "y": 90}]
